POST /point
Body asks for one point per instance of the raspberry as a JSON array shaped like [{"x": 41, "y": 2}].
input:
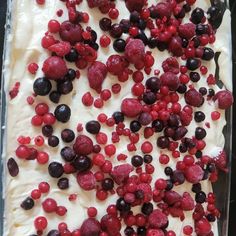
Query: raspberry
[
  {"x": 111, "y": 225},
  {"x": 203, "y": 227},
  {"x": 157, "y": 219},
  {"x": 194, "y": 98},
  {"x": 90, "y": 227},
  {"x": 187, "y": 202},
  {"x": 155, "y": 232},
  {"x": 171, "y": 197},
  {"x": 121, "y": 172},
  {"x": 83, "y": 145},
  {"x": 135, "y": 50},
  {"x": 163, "y": 9},
  {"x": 71, "y": 32},
  {"x": 187, "y": 30},
  {"x": 54, "y": 68},
  {"x": 177, "y": 212},
  {"x": 116, "y": 64},
  {"x": 86, "y": 180},
  {"x": 175, "y": 46},
  {"x": 96, "y": 75},
  {"x": 61, "y": 48},
  {"x": 171, "y": 65},
  {"x": 194, "y": 174},
  {"x": 170, "y": 80},
  {"x": 146, "y": 188},
  {"x": 131, "y": 107},
  {"x": 221, "y": 160},
  {"x": 224, "y": 98},
  {"x": 134, "y": 5}
]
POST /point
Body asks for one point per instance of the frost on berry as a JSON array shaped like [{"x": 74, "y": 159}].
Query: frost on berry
[
  {"x": 187, "y": 202},
  {"x": 83, "y": 145},
  {"x": 194, "y": 98},
  {"x": 224, "y": 99},
  {"x": 155, "y": 232},
  {"x": 131, "y": 107},
  {"x": 90, "y": 227},
  {"x": 71, "y": 32},
  {"x": 194, "y": 174},
  {"x": 164, "y": 9},
  {"x": 96, "y": 74},
  {"x": 187, "y": 30},
  {"x": 134, "y": 5},
  {"x": 157, "y": 219},
  {"x": 121, "y": 173},
  {"x": 170, "y": 80},
  {"x": 135, "y": 50},
  {"x": 111, "y": 225},
  {"x": 86, "y": 180},
  {"x": 54, "y": 68},
  {"x": 202, "y": 227},
  {"x": 175, "y": 46},
  {"x": 116, "y": 64},
  {"x": 171, "y": 65},
  {"x": 61, "y": 48},
  {"x": 171, "y": 197},
  {"x": 220, "y": 159},
  {"x": 147, "y": 190}
]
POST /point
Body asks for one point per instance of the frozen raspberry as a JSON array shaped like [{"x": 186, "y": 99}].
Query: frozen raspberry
[
  {"x": 134, "y": 5},
  {"x": 171, "y": 197},
  {"x": 187, "y": 202},
  {"x": 116, "y": 64},
  {"x": 90, "y": 227},
  {"x": 147, "y": 190},
  {"x": 175, "y": 46},
  {"x": 96, "y": 75},
  {"x": 86, "y": 180},
  {"x": 177, "y": 212},
  {"x": 187, "y": 30},
  {"x": 131, "y": 107},
  {"x": 61, "y": 48},
  {"x": 155, "y": 232},
  {"x": 221, "y": 160},
  {"x": 71, "y": 32},
  {"x": 121, "y": 172},
  {"x": 203, "y": 227},
  {"x": 170, "y": 80},
  {"x": 224, "y": 98},
  {"x": 171, "y": 65},
  {"x": 111, "y": 225},
  {"x": 135, "y": 50},
  {"x": 194, "y": 174},
  {"x": 163, "y": 9},
  {"x": 83, "y": 145},
  {"x": 194, "y": 98},
  {"x": 157, "y": 219},
  {"x": 54, "y": 68}
]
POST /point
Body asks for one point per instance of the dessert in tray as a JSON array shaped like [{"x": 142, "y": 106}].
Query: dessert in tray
[{"x": 115, "y": 116}]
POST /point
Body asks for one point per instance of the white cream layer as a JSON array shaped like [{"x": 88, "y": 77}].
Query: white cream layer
[{"x": 28, "y": 26}]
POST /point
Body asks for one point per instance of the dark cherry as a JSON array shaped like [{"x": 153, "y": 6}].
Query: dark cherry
[
  {"x": 137, "y": 161},
  {"x": 135, "y": 126},
  {"x": 93, "y": 127},
  {"x": 27, "y": 204},
  {"x": 53, "y": 141},
  {"x": 62, "y": 113},
  {"x": 64, "y": 87},
  {"x": 55, "y": 169},
  {"x": 118, "y": 117},
  {"x": 199, "y": 116},
  {"x": 47, "y": 130},
  {"x": 119, "y": 45},
  {"x": 82, "y": 163},
  {"x": 63, "y": 183},
  {"x": 200, "y": 133},
  {"x": 107, "y": 184},
  {"x": 54, "y": 96},
  {"x": 42, "y": 86},
  {"x": 105, "y": 24},
  {"x": 67, "y": 135},
  {"x": 68, "y": 154},
  {"x": 122, "y": 205}
]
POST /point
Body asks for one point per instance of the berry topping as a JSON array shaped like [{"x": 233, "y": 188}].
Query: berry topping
[
  {"x": 90, "y": 227},
  {"x": 121, "y": 173},
  {"x": 157, "y": 219},
  {"x": 187, "y": 30},
  {"x": 193, "y": 98},
  {"x": 170, "y": 80},
  {"x": 134, "y": 50},
  {"x": 12, "y": 167},
  {"x": 131, "y": 107},
  {"x": 224, "y": 99},
  {"x": 86, "y": 180},
  {"x": 42, "y": 86},
  {"x": 27, "y": 204},
  {"x": 194, "y": 174},
  {"x": 111, "y": 225},
  {"x": 62, "y": 113},
  {"x": 54, "y": 68},
  {"x": 83, "y": 145}
]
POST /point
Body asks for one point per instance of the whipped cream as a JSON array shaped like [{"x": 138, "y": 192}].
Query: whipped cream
[{"x": 29, "y": 23}]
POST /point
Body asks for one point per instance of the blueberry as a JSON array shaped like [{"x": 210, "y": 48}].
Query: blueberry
[
  {"x": 105, "y": 24},
  {"x": 137, "y": 161},
  {"x": 67, "y": 135},
  {"x": 122, "y": 205},
  {"x": 107, "y": 184},
  {"x": 149, "y": 97},
  {"x": 199, "y": 116},
  {"x": 82, "y": 163},
  {"x": 53, "y": 141},
  {"x": 147, "y": 208},
  {"x": 200, "y": 133},
  {"x": 118, "y": 117},
  {"x": 119, "y": 45},
  {"x": 62, "y": 113},
  {"x": 42, "y": 86},
  {"x": 208, "y": 54},
  {"x": 27, "y": 204},
  {"x": 47, "y": 130},
  {"x": 64, "y": 87},
  {"x": 153, "y": 83},
  {"x": 68, "y": 154},
  {"x": 54, "y": 96},
  {"x": 63, "y": 183},
  {"x": 197, "y": 15},
  {"x": 93, "y": 127},
  {"x": 192, "y": 63},
  {"x": 55, "y": 169},
  {"x": 72, "y": 56},
  {"x": 135, "y": 126}
]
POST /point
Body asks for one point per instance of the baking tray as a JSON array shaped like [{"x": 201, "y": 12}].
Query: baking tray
[{"x": 221, "y": 187}]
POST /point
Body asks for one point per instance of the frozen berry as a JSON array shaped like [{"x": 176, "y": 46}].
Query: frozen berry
[
  {"x": 93, "y": 127},
  {"x": 83, "y": 145},
  {"x": 193, "y": 98},
  {"x": 131, "y": 107},
  {"x": 42, "y": 86},
  {"x": 55, "y": 169},
  {"x": 224, "y": 99},
  {"x": 62, "y": 113},
  {"x": 135, "y": 50},
  {"x": 194, "y": 174}
]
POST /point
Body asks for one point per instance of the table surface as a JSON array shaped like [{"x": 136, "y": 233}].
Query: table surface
[{"x": 232, "y": 217}]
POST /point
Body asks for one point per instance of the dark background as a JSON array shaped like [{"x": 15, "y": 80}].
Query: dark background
[{"x": 232, "y": 217}]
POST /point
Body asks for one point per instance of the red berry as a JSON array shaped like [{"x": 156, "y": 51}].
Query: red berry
[
  {"x": 157, "y": 219},
  {"x": 224, "y": 98},
  {"x": 131, "y": 107},
  {"x": 138, "y": 89},
  {"x": 87, "y": 99},
  {"x": 170, "y": 80},
  {"x": 39, "y": 140},
  {"x": 44, "y": 187},
  {"x": 23, "y": 152},
  {"x": 160, "y": 184},
  {"x": 36, "y": 194},
  {"x": 134, "y": 5},
  {"x": 194, "y": 174},
  {"x": 41, "y": 109},
  {"x": 116, "y": 64},
  {"x": 110, "y": 150},
  {"x": 193, "y": 98},
  {"x": 134, "y": 50},
  {"x": 48, "y": 41},
  {"x": 164, "y": 159},
  {"x": 86, "y": 180},
  {"x": 83, "y": 145},
  {"x": 215, "y": 115},
  {"x": 146, "y": 147},
  {"x": 101, "y": 138},
  {"x": 111, "y": 224},
  {"x": 113, "y": 13},
  {"x": 49, "y": 205},
  {"x": 32, "y": 68},
  {"x": 40, "y": 223},
  {"x": 53, "y": 26},
  {"x": 101, "y": 195},
  {"x": 188, "y": 230},
  {"x": 49, "y": 119},
  {"x": 92, "y": 211},
  {"x": 36, "y": 120},
  {"x": 105, "y": 41},
  {"x": 42, "y": 157},
  {"x": 90, "y": 227},
  {"x": 171, "y": 65},
  {"x": 105, "y": 94},
  {"x": 203, "y": 227},
  {"x": 187, "y": 30},
  {"x": 40, "y": 2},
  {"x": 61, "y": 210}
]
